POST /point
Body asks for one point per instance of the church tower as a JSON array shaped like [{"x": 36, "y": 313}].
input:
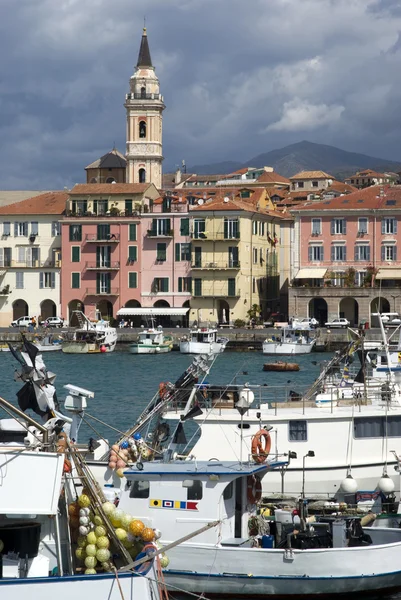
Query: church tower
[{"x": 144, "y": 106}]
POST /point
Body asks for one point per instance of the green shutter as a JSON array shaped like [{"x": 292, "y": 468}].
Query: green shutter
[
  {"x": 164, "y": 284},
  {"x": 168, "y": 226},
  {"x": 178, "y": 252},
  {"x": 154, "y": 227},
  {"x": 132, "y": 280},
  {"x": 132, "y": 232},
  {"x": 161, "y": 251},
  {"x": 231, "y": 287},
  {"x": 75, "y": 280},
  {"x": 132, "y": 253},
  {"x": 225, "y": 229},
  {"x": 128, "y": 207},
  {"x": 95, "y": 207},
  {"x": 180, "y": 284},
  {"x": 184, "y": 227},
  {"x": 76, "y": 252},
  {"x": 197, "y": 287}
]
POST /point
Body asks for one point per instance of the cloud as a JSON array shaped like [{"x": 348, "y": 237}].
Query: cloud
[{"x": 299, "y": 115}]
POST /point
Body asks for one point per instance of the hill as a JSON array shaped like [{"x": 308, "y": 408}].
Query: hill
[{"x": 306, "y": 156}]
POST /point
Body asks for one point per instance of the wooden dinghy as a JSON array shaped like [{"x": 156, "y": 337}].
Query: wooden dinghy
[{"x": 281, "y": 366}]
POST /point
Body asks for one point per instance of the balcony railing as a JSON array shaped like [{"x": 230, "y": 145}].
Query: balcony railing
[
  {"x": 114, "y": 212},
  {"x": 30, "y": 264},
  {"x": 215, "y": 236},
  {"x": 144, "y": 96},
  {"x": 153, "y": 233},
  {"x": 216, "y": 265},
  {"x": 99, "y": 292},
  {"x": 218, "y": 293},
  {"x": 107, "y": 266},
  {"x": 111, "y": 237}
]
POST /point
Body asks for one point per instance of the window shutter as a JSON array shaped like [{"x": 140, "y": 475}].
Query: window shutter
[
  {"x": 345, "y": 253},
  {"x": 154, "y": 226},
  {"x": 383, "y": 252},
  {"x": 225, "y": 228},
  {"x": 180, "y": 284},
  {"x": 132, "y": 253},
  {"x": 41, "y": 277},
  {"x": 177, "y": 252},
  {"x": 1, "y": 257},
  {"x": 53, "y": 280},
  {"x": 383, "y": 226},
  {"x": 6, "y": 228},
  {"x": 184, "y": 227},
  {"x": 332, "y": 227},
  {"x": 98, "y": 283},
  {"x": 395, "y": 226},
  {"x": 344, "y": 226},
  {"x": 21, "y": 255},
  {"x": 395, "y": 253},
  {"x": 34, "y": 228},
  {"x": 321, "y": 254},
  {"x": 132, "y": 280},
  {"x": 29, "y": 260},
  {"x": 168, "y": 225},
  {"x": 26, "y": 229},
  {"x": 132, "y": 232},
  {"x": 356, "y": 253},
  {"x": 15, "y": 229},
  {"x": 333, "y": 253},
  {"x": 368, "y": 253},
  {"x": 309, "y": 253},
  {"x": 94, "y": 207}
]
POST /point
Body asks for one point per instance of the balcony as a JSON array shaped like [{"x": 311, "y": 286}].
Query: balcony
[
  {"x": 152, "y": 233},
  {"x": 114, "y": 212},
  {"x": 219, "y": 293},
  {"x": 99, "y": 292},
  {"x": 31, "y": 264},
  {"x": 109, "y": 238},
  {"x": 108, "y": 266},
  {"x": 216, "y": 266},
  {"x": 217, "y": 236},
  {"x": 144, "y": 97}
]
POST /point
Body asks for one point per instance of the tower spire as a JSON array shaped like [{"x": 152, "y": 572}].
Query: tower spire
[{"x": 144, "y": 59}]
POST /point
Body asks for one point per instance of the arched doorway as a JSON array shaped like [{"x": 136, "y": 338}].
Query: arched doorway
[
  {"x": 48, "y": 309},
  {"x": 132, "y": 304},
  {"x": 105, "y": 308},
  {"x": 161, "y": 304},
  {"x": 132, "y": 320},
  {"x": 142, "y": 176},
  {"x": 163, "y": 320},
  {"x": 110, "y": 180},
  {"x": 185, "y": 318},
  {"x": 378, "y": 305},
  {"x": 74, "y": 305},
  {"x": 318, "y": 310},
  {"x": 223, "y": 312},
  {"x": 20, "y": 309},
  {"x": 349, "y": 309}
]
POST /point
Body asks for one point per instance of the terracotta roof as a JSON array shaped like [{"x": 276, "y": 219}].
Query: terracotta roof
[
  {"x": 49, "y": 203},
  {"x": 239, "y": 172},
  {"x": 12, "y": 196},
  {"x": 272, "y": 177},
  {"x": 108, "y": 189},
  {"x": 373, "y": 197},
  {"x": 367, "y": 173},
  {"x": 343, "y": 188},
  {"x": 277, "y": 192},
  {"x": 111, "y": 160},
  {"x": 311, "y": 175}
]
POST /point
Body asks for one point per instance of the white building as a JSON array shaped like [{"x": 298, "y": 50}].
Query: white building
[{"x": 30, "y": 257}]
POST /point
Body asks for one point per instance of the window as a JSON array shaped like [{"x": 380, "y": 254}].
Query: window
[
  {"x": 228, "y": 491},
  {"x": 300, "y": 184},
  {"x": 132, "y": 254},
  {"x": 5, "y": 257},
  {"x": 161, "y": 227},
  {"x": 139, "y": 489},
  {"x": 161, "y": 252},
  {"x": 362, "y": 252},
  {"x": 316, "y": 253},
  {"x": 254, "y": 227},
  {"x": 142, "y": 129},
  {"x": 160, "y": 284},
  {"x": 100, "y": 207},
  {"x": 103, "y": 232},
  {"x": 298, "y": 431},
  {"x": 315, "y": 184},
  {"x": 389, "y": 253},
  {"x": 262, "y": 228},
  {"x": 184, "y": 284},
  {"x": 338, "y": 278},
  {"x": 198, "y": 256},
  {"x": 103, "y": 256},
  {"x": 132, "y": 280},
  {"x": 389, "y": 226},
  {"x": 194, "y": 492},
  {"x": 56, "y": 228},
  {"x": 253, "y": 285},
  {"x": 6, "y": 228},
  {"x": 34, "y": 228},
  {"x": 21, "y": 229},
  {"x": 231, "y": 287},
  {"x": 75, "y": 254},
  {"x": 199, "y": 228},
  {"x": 255, "y": 256},
  {"x": 197, "y": 287},
  {"x": 75, "y": 233},
  {"x": 184, "y": 227},
  {"x": 75, "y": 280},
  {"x": 370, "y": 427},
  {"x": 182, "y": 252},
  {"x": 143, "y": 92},
  {"x": 19, "y": 280},
  {"x": 231, "y": 229},
  {"x": 338, "y": 226},
  {"x": 362, "y": 225},
  {"x": 79, "y": 207},
  {"x": 128, "y": 207},
  {"x": 359, "y": 278},
  {"x": 339, "y": 253},
  {"x": 47, "y": 280},
  {"x": 132, "y": 232},
  {"x": 316, "y": 226},
  {"x": 142, "y": 176},
  {"x": 103, "y": 283},
  {"x": 233, "y": 257}
]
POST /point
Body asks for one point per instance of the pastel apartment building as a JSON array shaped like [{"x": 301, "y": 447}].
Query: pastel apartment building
[
  {"x": 366, "y": 178},
  {"x": 30, "y": 257},
  {"x": 347, "y": 258},
  {"x": 312, "y": 181},
  {"x": 102, "y": 247}
]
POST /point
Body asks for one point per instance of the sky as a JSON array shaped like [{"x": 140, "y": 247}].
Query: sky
[{"x": 238, "y": 77}]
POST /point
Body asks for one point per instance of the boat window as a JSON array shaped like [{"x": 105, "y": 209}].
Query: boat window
[
  {"x": 194, "y": 492},
  {"x": 139, "y": 489},
  {"x": 298, "y": 431},
  {"x": 228, "y": 491},
  {"x": 377, "y": 427}
]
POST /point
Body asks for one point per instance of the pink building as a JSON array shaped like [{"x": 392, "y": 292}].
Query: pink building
[{"x": 345, "y": 256}]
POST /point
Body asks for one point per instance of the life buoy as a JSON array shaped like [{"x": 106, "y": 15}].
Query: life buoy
[
  {"x": 145, "y": 567},
  {"x": 261, "y": 444},
  {"x": 254, "y": 492}
]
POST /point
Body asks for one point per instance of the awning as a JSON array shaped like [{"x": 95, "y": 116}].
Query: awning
[
  {"x": 311, "y": 273},
  {"x": 389, "y": 274},
  {"x": 172, "y": 312}
]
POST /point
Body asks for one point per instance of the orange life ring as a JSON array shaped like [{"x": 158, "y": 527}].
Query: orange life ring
[
  {"x": 254, "y": 486},
  {"x": 261, "y": 444}
]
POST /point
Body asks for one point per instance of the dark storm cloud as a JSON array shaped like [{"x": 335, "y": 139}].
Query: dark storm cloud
[{"x": 238, "y": 78}]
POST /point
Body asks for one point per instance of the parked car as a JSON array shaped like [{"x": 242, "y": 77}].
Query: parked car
[
  {"x": 53, "y": 322},
  {"x": 339, "y": 322},
  {"x": 22, "y": 322},
  {"x": 305, "y": 323},
  {"x": 389, "y": 319}
]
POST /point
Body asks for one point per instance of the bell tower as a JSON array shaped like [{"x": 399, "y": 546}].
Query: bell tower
[{"x": 144, "y": 106}]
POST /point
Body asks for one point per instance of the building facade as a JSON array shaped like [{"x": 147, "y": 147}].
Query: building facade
[
  {"x": 30, "y": 257},
  {"x": 347, "y": 260},
  {"x": 311, "y": 181},
  {"x": 144, "y": 107},
  {"x": 109, "y": 168}
]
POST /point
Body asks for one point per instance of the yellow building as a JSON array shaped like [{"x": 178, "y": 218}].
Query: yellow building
[{"x": 234, "y": 257}]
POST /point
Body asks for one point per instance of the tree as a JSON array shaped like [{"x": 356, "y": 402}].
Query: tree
[{"x": 254, "y": 311}]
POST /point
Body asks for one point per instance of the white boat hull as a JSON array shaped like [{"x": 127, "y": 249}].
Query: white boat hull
[
  {"x": 189, "y": 347},
  {"x": 288, "y": 347},
  {"x": 155, "y": 349},
  {"x": 84, "y": 348}
]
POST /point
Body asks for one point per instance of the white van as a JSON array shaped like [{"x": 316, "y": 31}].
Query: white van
[{"x": 22, "y": 322}]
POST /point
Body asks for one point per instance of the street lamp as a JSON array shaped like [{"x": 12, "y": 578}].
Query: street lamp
[{"x": 310, "y": 454}]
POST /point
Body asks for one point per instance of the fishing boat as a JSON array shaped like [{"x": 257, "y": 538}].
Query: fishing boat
[
  {"x": 289, "y": 341},
  {"x": 203, "y": 340},
  {"x": 90, "y": 337},
  {"x": 281, "y": 366},
  {"x": 48, "y": 343},
  {"x": 152, "y": 341}
]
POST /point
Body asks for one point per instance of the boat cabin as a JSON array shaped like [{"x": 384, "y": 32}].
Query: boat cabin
[{"x": 203, "y": 335}]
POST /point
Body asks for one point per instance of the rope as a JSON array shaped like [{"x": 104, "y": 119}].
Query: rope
[{"x": 118, "y": 583}]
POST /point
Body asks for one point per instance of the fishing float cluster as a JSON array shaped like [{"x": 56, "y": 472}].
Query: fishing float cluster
[
  {"x": 88, "y": 531},
  {"x": 130, "y": 450}
]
